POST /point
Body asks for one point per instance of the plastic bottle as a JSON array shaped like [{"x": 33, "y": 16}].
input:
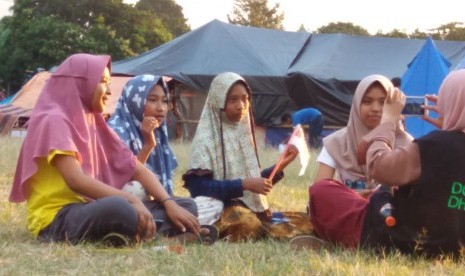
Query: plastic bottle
[{"x": 386, "y": 212}]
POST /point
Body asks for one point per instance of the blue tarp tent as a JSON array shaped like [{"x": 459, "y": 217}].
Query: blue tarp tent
[
  {"x": 461, "y": 65},
  {"x": 7, "y": 100},
  {"x": 424, "y": 76}
]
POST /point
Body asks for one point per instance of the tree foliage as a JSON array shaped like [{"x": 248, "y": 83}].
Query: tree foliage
[
  {"x": 343, "y": 28},
  {"x": 41, "y": 33},
  {"x": 451, "y": 31},
  {"x": 393, "y": 33},
  {"x": 302, "y": 28},
  {"x": 255, "y": 13},
  {"x": 417, "y": 34},
  {"x": 168, "y": 12}
]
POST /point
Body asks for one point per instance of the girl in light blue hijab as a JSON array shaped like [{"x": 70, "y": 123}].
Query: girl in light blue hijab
[{"x": 139, "y": 120}]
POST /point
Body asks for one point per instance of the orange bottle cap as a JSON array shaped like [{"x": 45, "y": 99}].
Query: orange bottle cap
[{"x": 390, "y": 221}]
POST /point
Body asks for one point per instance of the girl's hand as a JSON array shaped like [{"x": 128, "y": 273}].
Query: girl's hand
[
  {"x": 289, "y": 156},
  {"x": 257, "y": 185},
  {"x": 146, "y": 227},
  {"x": 393, "y": 106},
  {"x": 147, "y": 129},
  {"x": 437, "y": 122},
  {"x": 182, "y": 218}
]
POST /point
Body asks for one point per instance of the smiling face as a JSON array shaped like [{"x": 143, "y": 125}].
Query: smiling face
[
  {"x": 156, "y": 104},
  {"x": 371, "y": 107},
  {"x": 237, "y": 103},
  {"x": 101, "y": 93}
]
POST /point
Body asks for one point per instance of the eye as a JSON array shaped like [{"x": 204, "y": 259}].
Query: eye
[
  {"x": 105, "y": 81},
  {"x": 366, "y": 101}
]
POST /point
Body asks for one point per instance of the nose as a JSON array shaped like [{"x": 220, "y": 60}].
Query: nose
[
  {"x": 108, "y": 92},
  {"x": 378, "y": 107},
  {"x": 160, "y": 106},
  {"x": 242, "y": 105}
]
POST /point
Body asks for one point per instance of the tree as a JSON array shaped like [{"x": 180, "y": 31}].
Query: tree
[
  {"x": 141, "y": 28},
  {"x": 451, "y": 31},
  {"x": 343, "y": 28},
  {"x": 256, "y": 13},
  {"x": 456, "y": 34},
  {"x": 418, "y": 34},
  {"x": 41, "y": 33},
  {"x": 394, "y": 33},
  {"x": 302, "y": 28},
  {"x": 169, "y": 12},
  {"x": 46, "y": 41}
]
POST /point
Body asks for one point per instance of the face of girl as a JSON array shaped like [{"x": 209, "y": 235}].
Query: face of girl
[
  {"x": 237, "y": 103},
  {"x": 372, "y": 104},
  {"x": 156, "y": 104},
  {"x": 101, "y": 93}
]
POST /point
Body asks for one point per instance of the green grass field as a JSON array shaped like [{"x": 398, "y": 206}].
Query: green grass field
[{"x": 20, "y": 254}]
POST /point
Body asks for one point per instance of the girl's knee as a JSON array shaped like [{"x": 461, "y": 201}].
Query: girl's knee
[
  {"x": 317, "y": 187},
  {"x": 116, "y": 208}
]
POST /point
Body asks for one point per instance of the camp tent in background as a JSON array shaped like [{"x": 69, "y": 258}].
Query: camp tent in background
[
  {"x": 262, "y": 56},
  {"x": 424, "y": 76},
  {"x": 17, "y": 112},
  {"x": 14, "y": 115},
  {"x": 6, "y": 100},
  {"x": 461, "y": 65},
  {"x": 287, "y": 71}
]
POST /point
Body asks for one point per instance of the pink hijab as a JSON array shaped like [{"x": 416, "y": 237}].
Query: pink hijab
[
  {"x": 342, "y": 144},
  {"x": 62, "y": 120},
  {"x": 451, "y": 101}
]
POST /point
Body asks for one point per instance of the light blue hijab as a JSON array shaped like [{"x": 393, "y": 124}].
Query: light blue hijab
[{"x": 127, "y": 119}]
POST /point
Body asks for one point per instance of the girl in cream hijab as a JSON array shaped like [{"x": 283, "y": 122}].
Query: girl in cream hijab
[{"x": 224, "y": 165}]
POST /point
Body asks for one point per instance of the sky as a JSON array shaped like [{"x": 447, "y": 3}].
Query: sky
[{"x": 404, "y": 15}]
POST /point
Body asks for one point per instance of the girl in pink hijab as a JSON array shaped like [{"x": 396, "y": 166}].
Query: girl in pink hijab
[{"x": 72, "y": 166}]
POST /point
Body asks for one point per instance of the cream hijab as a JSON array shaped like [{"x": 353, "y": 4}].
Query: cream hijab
[
  {"x": 342, "y": 145},
  {"x": 228, "y": 149}
]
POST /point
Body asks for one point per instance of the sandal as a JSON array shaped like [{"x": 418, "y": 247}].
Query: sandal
[
  {"x": 209, "y": 238},
  {"x": 204, "y": 238},
  {"x": 308, "y": 242}
]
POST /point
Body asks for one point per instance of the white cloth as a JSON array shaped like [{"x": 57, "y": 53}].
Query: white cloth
[
  {"x": 209, "y": 209},
  {"x": 326, "y": 158}
]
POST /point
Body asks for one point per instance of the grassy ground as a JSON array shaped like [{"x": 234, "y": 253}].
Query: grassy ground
[{"x": 20, "y": 254}]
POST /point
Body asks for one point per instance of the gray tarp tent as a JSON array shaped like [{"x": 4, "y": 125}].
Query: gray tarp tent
[
  {"x": 262, "y": 56},
  {"x": 331, "y": 66},
  {"x": 286, "y": 70}
]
